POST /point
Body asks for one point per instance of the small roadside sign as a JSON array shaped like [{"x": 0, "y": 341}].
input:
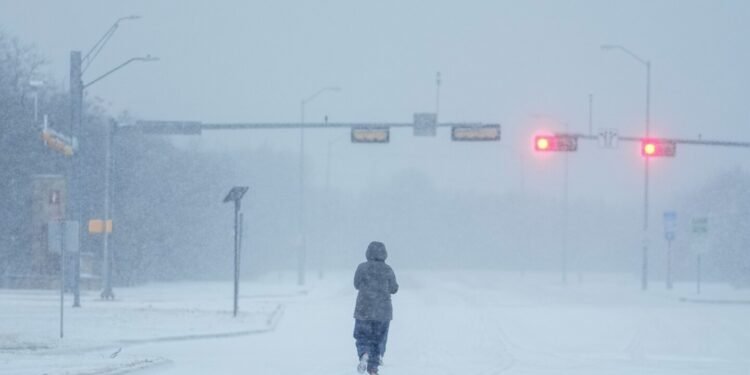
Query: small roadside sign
[
  {"x": 670, "y": 225},
  {"x": 700, "y": 225},
  {"x": 699, "y": 230},
  {"x": 98, "y": 226},
  {"x": 62, "y": 235}
]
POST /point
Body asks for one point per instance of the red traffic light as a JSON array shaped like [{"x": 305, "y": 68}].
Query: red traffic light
[
  {"x": 541, "y": 144},
  {"x": 658, "y": 147},
  {"x": 558, "y": 142}
]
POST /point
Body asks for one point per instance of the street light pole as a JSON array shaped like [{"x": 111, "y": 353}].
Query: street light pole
[
  {"x": 36, "y": 85},
  {"x": 302, "y": 250},
  {"x": 329, "y": 202},
  {"x": 76, "y": 120},
  {"x": 647, "y": 64}
]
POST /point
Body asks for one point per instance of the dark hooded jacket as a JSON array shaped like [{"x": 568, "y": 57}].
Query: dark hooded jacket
[{"x": 375, "y": 282}]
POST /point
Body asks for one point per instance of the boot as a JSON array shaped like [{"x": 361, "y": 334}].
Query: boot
[{"x": 362, "y": 366}]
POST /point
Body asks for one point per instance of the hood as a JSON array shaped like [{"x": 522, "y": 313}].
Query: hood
[{"x": 376, "y": 251}]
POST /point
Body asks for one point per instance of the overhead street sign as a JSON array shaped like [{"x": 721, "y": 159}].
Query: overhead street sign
[
  {"x": 170, "y": 127},
  {"x": 476, "y": 133},
  {"x": 370, "y": 135},
  {"x": 608, "y": 138},
  {"x": 425, "y": 124}
]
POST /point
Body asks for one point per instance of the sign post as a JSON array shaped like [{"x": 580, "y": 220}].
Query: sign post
[
  {"x": 670, "y": 224},
  {"x": 700, "y": 232},
  {"x": 235, "y": 195},
  {"x": 62, "y": 273},
  {"x": 62, "y": 238}
]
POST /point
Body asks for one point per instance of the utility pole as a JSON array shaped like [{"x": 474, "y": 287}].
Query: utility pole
[
  {"x": 74, "y": 197},
  {"x": 76, "y": 113}
]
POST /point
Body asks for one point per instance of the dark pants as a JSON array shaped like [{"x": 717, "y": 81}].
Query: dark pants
[
  {"x": 381, "y": 347},
  {"x": 370, "y": 336}
]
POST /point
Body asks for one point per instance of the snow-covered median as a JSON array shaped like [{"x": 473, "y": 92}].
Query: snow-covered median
[{"x": 98, "y": 334}]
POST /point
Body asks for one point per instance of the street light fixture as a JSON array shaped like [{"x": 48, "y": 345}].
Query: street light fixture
[
  {"x": 36, "y": 85},
  {"x": 94, "y": 51},
  {"x": 302, "y": 251},
  {"x": 647, "y": 65}
]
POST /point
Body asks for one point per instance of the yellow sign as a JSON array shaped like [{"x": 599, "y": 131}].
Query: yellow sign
[
  {"x": 56, "y": 143},
  {"x": 97, "y": 226}
]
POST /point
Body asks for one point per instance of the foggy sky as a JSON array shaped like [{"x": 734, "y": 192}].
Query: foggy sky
[{"x": 527, "y": 65}]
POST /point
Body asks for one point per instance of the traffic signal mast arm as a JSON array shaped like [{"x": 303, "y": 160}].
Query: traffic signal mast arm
[
  {"x": 692, "y": 141},
  {"x": 700, "y": 142},
  {"x": 195, "y": 127}
]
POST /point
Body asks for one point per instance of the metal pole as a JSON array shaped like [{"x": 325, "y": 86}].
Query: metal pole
[
  {"x": 698, "y": 275},
  {"x": 302, "y": 246},
  {"x": 437, "y": 96},
  {"x": 76, "y": 114},
  {"x": 323, "y": 254},
  {"x": 644, "y": 270},
  {"x": 564, "y": 264},
  {"x": 62, "y": 275},
  {"x": 669, "y": 264},
  {"x": 107, "y": 256},
  {"x": 36, "y": 107},
  {"x": 239, "y": 252},
  {"x": 591, "y": 114},
  {"x": 236, "y": 253}
]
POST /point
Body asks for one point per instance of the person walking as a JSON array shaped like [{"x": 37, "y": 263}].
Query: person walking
[{"x": 375, "y": 281}]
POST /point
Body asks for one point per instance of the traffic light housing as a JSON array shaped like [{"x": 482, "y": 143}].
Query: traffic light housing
[
  {"x": 658, "y": 148},
  {"x": 476, "y": 133},
  {"x": 557, "y": 142},
  {"x": 370, "y": 135}
]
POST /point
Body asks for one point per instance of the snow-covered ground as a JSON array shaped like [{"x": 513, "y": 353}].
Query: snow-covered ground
[
  {"x": 96, "y": 335},
  {"x": 463, "y": 322}
]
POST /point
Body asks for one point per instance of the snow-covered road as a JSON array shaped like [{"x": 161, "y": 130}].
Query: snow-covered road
[{"x": 488, "y": 323}]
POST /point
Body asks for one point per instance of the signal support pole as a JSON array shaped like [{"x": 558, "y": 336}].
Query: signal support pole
[
  {"x": 647, "y": 64},
  {"x": 669, "y": 264},
  {"x": 644, "y": 272}
]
